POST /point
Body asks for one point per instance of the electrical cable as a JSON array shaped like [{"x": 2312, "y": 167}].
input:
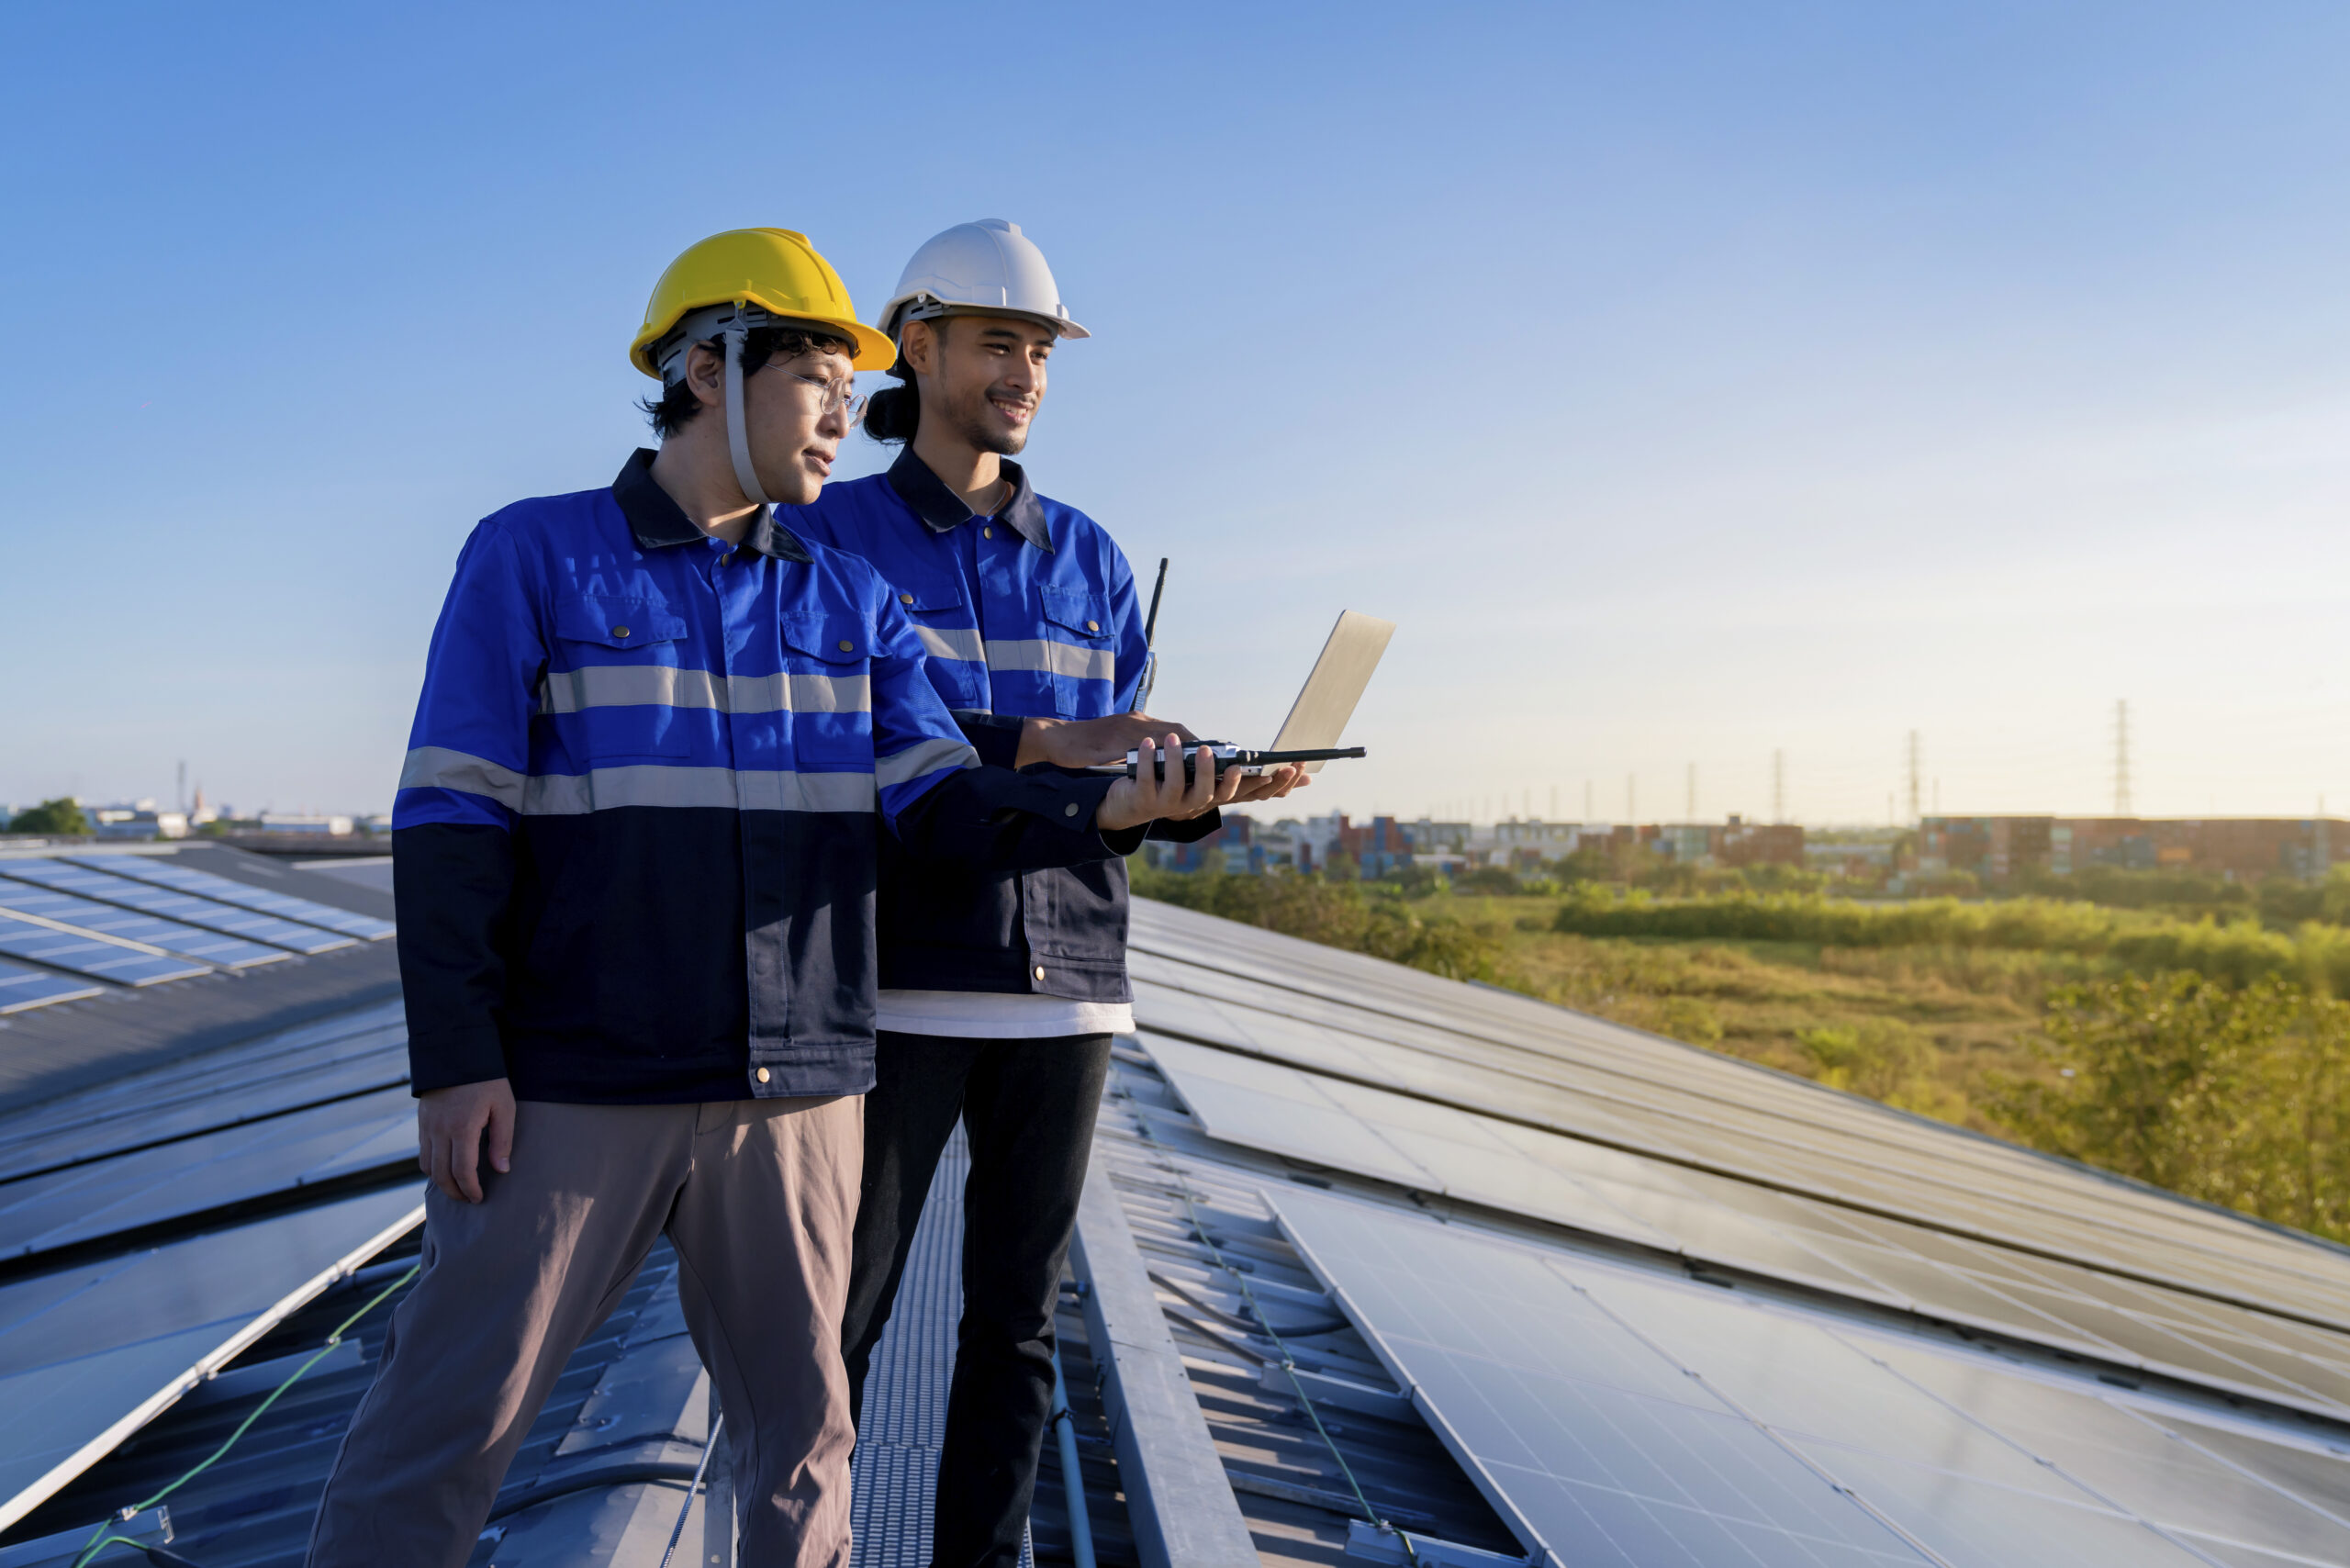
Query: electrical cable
[
  {"x": 1306, "y": 1400},
  {"x": 101, "y": 1539},
  {"x": 590, "y": 1481},
  {"x": 716, "y": 1426}
]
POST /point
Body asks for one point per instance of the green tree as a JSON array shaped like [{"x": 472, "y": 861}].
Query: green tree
[
  {"x": 62, "y": 815},
  {"x": 2235, "y": 1095}
]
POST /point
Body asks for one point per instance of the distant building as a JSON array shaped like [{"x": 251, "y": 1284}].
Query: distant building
[
  {"x": 2240, "y": 848},
  {"x": 286, "y": 822},
  {"x": 136, "y": 819}
]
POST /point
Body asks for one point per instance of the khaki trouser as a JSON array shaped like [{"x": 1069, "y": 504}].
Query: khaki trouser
[{"x": 760, "y": 1199}]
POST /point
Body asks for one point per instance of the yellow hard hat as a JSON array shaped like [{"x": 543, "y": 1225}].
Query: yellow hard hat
[{"x": 774, "y": 269}]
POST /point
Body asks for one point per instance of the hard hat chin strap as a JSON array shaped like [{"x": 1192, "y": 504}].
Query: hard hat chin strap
[{"x": 738, "y": 437}]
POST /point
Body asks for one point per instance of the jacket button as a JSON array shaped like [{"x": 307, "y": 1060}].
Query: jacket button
[
  {"x": 763, "y": 1075},
  {"x": 905, "y": 599},
  {"x": 847, "y": 646},
  {"x": 1069, "y": 810},
  {"x": 1093, "y": 625},
  {"x": 987, "y": 533},
  {"x": 1040, "y": 972},
  {"x": 619, "y": 631}
]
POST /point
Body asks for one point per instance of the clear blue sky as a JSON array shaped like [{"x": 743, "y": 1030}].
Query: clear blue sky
[{"x": 1689, "y": 381}]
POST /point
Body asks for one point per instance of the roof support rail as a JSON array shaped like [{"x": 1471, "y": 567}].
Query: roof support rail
[{"x": 1178, "y": 1499}]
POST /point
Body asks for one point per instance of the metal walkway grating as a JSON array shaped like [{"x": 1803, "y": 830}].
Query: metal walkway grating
[{"x": 905, "y": 1389}]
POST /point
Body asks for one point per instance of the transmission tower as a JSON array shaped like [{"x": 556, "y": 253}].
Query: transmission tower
[
  {"x": 1693, "y": 794},
  {"x": 1778, "y": 786},
  {"x": 2122, "y": 757},
  {"x": 1914, "y": 813}
]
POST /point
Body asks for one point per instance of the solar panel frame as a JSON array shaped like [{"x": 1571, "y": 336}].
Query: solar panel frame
[
  {"x": 100, "y": 958},
  {"x": 23, "y": 988},
  {"x": 69, "y": 910},
  {"x": 152, "y": 898},
  {"x": 228, "y": 890}
]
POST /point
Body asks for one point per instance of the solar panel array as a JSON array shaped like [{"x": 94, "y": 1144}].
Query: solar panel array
[
  {"x": 108, "y": 920},
  {"x": 159, "y": 870},
  {"x": 1732, "y": 1226},
  {"x": 1667, "y": 1308},
  {"x": 137, "y": 920},
  {"x": 230, "y": 919},
  {"x": 1346, "y": 1018},
  {"x": 1622, "y": 1419}
]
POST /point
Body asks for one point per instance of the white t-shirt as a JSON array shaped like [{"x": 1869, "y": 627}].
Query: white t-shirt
[{"x": 1000, "y": 1016}]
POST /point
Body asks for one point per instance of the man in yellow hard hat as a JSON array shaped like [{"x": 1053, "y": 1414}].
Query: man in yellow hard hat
[{"x": 634, "y": 858}]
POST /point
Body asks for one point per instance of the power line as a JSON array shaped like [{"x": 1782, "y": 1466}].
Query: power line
[{"x": 2122, "y": 757}]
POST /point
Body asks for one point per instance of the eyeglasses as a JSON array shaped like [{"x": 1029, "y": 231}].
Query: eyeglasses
[{"x": 841, "y": 394}]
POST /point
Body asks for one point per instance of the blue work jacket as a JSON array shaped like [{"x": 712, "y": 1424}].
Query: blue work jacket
[
  {"x": 1027, "y": 612},
  {"x": 636, "y": 838}
]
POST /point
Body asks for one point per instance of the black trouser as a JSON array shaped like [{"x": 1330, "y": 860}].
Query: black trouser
[{"x": 1028, "y": 1107}]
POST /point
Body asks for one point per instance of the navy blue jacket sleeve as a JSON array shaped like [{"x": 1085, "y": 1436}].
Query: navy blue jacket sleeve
[
  {"x": 452, "y": 884},
  {"x": 995, "y": 737},
  {"x": 991, "y": 819}
]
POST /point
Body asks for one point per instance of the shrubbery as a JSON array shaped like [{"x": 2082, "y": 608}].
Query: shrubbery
[
  {"x": 2233, "y": 1095},
  {"x": 57, "y": 817},
  {"x": 2238, "y": 952},
  {"x": 1336, "y": 914}
]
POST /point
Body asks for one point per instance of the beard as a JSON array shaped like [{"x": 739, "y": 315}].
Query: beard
[{"x": 972, "y": 421}]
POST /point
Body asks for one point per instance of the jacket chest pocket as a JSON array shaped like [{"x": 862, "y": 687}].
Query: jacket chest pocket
[
  {"x": 827, "y": 656},
  {"x": 614, "y": 689},
  {"x": 1079, "y": 651},
  {"x": 954, "y": 650}
]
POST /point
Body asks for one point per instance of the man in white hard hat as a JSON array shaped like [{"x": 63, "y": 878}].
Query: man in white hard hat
[{"x": 999, "y": 989}]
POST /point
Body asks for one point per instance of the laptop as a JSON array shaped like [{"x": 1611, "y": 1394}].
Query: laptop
[{"x": 1318, "y": 718}]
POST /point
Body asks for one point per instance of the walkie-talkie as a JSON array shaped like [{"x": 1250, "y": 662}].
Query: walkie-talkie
[
  {"x": 1149, "y": 643},
  {"x": 1229, "y": 758}
]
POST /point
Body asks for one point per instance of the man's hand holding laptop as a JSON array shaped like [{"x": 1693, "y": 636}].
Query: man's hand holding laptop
[{"x": 1090, "y": 743}]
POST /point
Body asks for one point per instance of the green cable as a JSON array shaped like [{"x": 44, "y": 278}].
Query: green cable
[
  {"x": 101, "y": 1540},
  {"x": 1289, "y": 1366}
]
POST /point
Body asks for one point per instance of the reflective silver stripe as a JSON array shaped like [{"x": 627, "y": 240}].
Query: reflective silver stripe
[
  {"x": 661, "y": 686},
  {"x": 1057, "y": 659},
  {"x": 605, "y": 788},
  {"x": 928, "y": 756},
  {"x": 952, "y": 642},
  {"x": 438, "y": 767},
  {"x": 800, "y": 693}
]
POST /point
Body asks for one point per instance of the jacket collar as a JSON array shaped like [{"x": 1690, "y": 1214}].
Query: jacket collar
[
  {"x": 943, "y": 511},
  {"x": 658, "y": 521}
]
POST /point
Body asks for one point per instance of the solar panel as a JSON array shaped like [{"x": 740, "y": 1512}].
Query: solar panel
[
  {"x": 83, "y": 1347},
  {"x": 245, "y": 1082},
  {"x": 99, "y": 958},
  {"x": 159, "y": 869},
  {"x": 189, "y": 1176},
  {"x": 129, "y": 926},
  {"x": 21, "y": 987},
  {"x": 1623, "y": 1418},
  {"x": 1708, "y": 1219},
  {"x": 233, "y": 920}
]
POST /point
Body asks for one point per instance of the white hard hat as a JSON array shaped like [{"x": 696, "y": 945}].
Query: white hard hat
[{"x": 987, "y": 265}]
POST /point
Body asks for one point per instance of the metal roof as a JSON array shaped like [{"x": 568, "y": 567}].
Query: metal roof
[{"x": 1366, "y": 1257}]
